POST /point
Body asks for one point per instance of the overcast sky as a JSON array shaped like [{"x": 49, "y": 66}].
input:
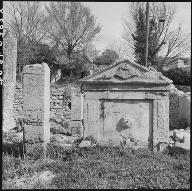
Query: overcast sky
[{"x": 110, "y": 14}]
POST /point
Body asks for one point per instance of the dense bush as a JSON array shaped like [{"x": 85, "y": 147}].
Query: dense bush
[
  {"x": 178, "y": 76},
  {"x": 183, "y": 88}
]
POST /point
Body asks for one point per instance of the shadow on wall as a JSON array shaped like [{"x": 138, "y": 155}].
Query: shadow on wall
[{"x": 123, "y": 124}]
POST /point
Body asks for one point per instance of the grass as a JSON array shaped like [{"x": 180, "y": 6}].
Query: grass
[{"x": 100, "y": 167}]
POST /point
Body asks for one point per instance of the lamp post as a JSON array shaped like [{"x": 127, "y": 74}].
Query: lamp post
[
  {"x": 147, "y": 33},
  {"x": 161, "y": 20}
]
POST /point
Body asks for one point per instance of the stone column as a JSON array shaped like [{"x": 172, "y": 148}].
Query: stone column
[
  {"x": 76, "y": 113},
  {"x": 9, "y": 79},
  {"x": 36, "y": 105}
]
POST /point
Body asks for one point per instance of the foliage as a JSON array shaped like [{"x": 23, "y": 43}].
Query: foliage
[
  {"x": 178, "y": 76},
  {"x": 106, "y": 167},
  {"x": 107, "y": 57},
  {"x": 183, "y": 88},
  {"x": 25, "y": 19},
  {"x": 163, "y": 41},
  {"x": 37, "y": 53},
  {"x": 71, "y": 28},
  {"x": 68, "y": 27}
]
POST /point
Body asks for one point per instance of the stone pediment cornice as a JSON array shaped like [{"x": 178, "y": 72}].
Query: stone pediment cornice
[{"x": 127, "y": 72}]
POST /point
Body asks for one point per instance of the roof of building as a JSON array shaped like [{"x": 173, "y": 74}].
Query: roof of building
[{"x": 127, "y": 72}]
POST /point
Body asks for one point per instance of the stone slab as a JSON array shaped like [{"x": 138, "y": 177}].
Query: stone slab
[{"x": 36, "y": 105}]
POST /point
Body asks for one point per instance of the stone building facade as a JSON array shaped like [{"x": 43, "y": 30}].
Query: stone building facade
[{"x": 126, "y": 102}]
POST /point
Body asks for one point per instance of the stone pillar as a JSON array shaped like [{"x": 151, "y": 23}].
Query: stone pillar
[
  {"x": 9, "y": 79},
  {"x": 76, "y": 114},
  {"x": 36, "y": 105}
]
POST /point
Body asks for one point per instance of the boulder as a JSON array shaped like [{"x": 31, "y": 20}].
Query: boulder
[
  {"x": 85, "y": 144},
  {"x": 59, "y": 138},
  {"x": 63, "y": 139},
  {"x": 178, "y": 135},
  {"x": 182, "y": 139}
]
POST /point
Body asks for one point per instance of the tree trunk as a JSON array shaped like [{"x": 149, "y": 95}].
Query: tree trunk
[
  {"x": 69, "y": 57},
  {"x": 9, "y": 79}
]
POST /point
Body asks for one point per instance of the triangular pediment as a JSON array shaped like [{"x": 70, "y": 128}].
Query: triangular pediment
[{"x": 127, "y": 72}]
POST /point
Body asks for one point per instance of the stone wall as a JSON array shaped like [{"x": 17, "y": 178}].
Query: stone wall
[
  {"x": 60, "y": 97},
  {"x": 179, "y": 114},
  {"x": 60, "y": 100}
]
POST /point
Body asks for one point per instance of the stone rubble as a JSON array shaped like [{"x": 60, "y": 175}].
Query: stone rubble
[
  {"x": 85, "y": 143},
  {"x": 180, "y": 138}
]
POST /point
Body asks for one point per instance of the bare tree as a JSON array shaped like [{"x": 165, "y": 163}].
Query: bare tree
[
  {"x": 120, "y": 46},
  {"x": 25, "y": 21},
  {"x": 164, "y": 42},
  {"x": 71, "y": 27}
]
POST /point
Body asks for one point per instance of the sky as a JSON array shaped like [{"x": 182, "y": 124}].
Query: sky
[{"x": 110, "y": 14}]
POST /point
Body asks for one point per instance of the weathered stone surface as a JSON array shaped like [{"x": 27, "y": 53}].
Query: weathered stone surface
[
  {"x": 180, "y": 138},
  {"x": 36, "y": 106},
  {"x": 185, "y": 144},
  {"x": 61, "y": 138},
  {"x": 129, "y": 73},
  {"x": 180, "y": 114},
  {"x": 76, "y": 105},
  {"x": 64, "y": 141},
  {"x": 62, "y": 107},
  {"x": 163, "y": 119},
  {"x": 85, "y": 144},
  {"x": 178, "y": 135},
  {"x": 126, "y": 102},
  {"x": 9, "y": 79}
]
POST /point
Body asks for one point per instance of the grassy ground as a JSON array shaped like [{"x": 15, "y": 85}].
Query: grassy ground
[{"x": 99, "y": 167}]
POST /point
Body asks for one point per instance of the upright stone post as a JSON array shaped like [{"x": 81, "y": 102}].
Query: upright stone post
[
  {"x": 9, "y": 79},
  {"x": 36, "y": 105},
  {"x": 76, "y": 113}
]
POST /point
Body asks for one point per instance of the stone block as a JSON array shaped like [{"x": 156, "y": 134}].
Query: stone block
[
  {"x": 124, "y": 99},
  {"x": 9, "y": 78},
  {"x": 61, "y": 139},
  {"x": 85, "y": 144},
  {"x": 179, "y": 109},
  {"x": 36, "y": 106}
]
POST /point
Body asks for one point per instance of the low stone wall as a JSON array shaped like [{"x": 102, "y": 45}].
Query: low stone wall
[
  {"x": 179, "y": 109},
  {"x": 60, "y": 101}
]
